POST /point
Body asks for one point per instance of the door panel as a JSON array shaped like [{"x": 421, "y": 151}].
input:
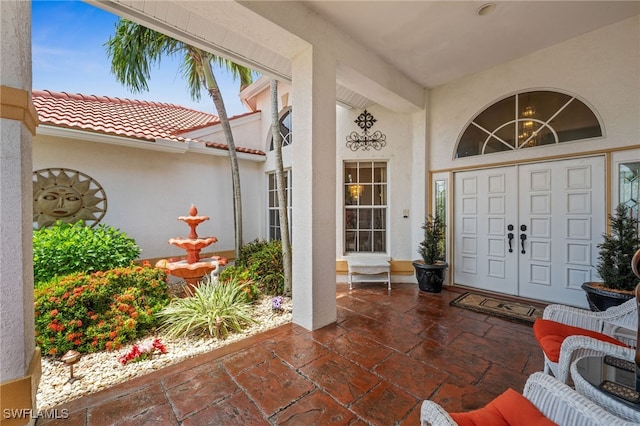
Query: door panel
[
  {"x": 484, "y": 207},
  {"x": 557, "y": 205},
  {"x": 556, "y": 210}
]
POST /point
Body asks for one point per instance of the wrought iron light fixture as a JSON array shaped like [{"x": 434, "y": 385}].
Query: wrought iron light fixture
[{"x": 366, "y": 140}]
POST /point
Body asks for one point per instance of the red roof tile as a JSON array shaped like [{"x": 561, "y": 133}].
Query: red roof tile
[{"x": 136, "y": 119}]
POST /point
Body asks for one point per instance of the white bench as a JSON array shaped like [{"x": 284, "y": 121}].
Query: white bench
[{"x": 369, "y": 270}]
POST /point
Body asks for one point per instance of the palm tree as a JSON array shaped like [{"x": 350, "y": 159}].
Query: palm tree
[
  {"x": 280, "y": 186},
  {"x": 134, "y": 49}
]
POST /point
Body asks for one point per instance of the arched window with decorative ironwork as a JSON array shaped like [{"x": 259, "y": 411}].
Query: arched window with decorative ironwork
[
  {"x": 528, "y": 119},
  {"x": 285, "y": 128}
]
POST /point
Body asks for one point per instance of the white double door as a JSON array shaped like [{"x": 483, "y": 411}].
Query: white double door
[{"x": 530, "y": 230}]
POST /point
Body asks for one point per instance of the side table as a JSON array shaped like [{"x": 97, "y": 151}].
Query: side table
[{"x": 609, "y": 382}]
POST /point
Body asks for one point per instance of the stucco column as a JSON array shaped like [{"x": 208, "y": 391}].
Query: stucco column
[
  {"x": 314, "y": 188},
  {"x": 19, "y": 358}
]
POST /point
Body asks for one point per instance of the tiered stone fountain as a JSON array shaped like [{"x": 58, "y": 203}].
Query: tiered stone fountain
[{"x": 193, "y": 268}]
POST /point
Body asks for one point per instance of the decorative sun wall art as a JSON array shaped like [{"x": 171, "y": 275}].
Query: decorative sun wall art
[{"x": 66, "y": 195}]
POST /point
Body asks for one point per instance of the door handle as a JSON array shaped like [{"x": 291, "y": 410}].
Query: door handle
[
  {"x": 510, "y": 236},
  {"x": 523, "y": 237}
]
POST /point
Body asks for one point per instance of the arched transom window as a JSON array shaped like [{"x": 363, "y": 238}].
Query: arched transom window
[{"x": 527, "y": 120}]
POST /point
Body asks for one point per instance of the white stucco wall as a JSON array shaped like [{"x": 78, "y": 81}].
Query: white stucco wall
[
  {"x": 244, "y": 128},
  {"x": 147, "y": 191},
  {"x": 404, "y": 192},
  {"x": 602, "y": 68}
]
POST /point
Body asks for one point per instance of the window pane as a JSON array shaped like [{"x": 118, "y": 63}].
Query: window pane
[
  {"x": 575, "y": 122},
  {"x": 350, "y": 220},
  {"x": 379, "y": 219},
  {"x": 350, "y": 241},
  {"x": 366, "y": 198},
  {"x": 365, "y": 174},
  {"x": 629, "y": 184},
  {"x": 497, "y": 114},
  {"x": 379, "y": 243},
  {"x": 507, "y": 134},
  {"x": 494, "y": 145},
  {"x": 364, "y": 241},
  {"x": 471, "y": 142},
  {"x": 365, "y": 218},
  {"x": 380, "y": 172},
  {"x": 350, "y": 172},
  {"x": 380, "y": 195}
]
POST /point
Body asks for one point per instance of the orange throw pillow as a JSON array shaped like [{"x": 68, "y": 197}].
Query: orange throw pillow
[
  {"x": 510, "y": 408},
  {"x": 551, "y": 334}
]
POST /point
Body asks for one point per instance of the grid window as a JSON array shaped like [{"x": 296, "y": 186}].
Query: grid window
[
  {"x": 365, "y": 206},
  {"x": 273, "y": 217}
]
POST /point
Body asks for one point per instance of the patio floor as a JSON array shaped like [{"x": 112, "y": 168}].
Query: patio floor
[{"x": 386, "y": 353}]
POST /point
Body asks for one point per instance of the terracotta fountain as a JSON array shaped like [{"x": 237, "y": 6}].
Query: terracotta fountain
[{"x": 193, "y": 268}]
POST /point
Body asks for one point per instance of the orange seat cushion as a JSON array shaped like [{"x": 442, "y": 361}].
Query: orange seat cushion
[
  {"x": 551, "y": 334},
  {"x": 510, "y": 409}
]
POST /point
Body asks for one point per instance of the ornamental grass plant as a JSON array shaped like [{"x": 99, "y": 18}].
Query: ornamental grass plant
[{"x": 214, "y": 307}]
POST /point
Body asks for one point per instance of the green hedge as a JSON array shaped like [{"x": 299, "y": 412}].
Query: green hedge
[{"x": 66, "y": 248}]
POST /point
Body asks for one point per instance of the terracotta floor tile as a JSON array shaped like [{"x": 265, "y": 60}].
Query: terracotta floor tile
[
  {"x": 360, "y": 349},
  {"x": 235, "y": 410},
  {"x": 456, "y": 396},
  {"x": 467, "y": 366},
  {"x": 273, "y": 385},
  {"x": 297, "y": 350},
  {"x": 384, "y": 405},
  {"x": 251, "y": 357},
  {"x": 127, "y": 406},
  {"x": 415, "y": 377},
  {"x": 200, "y": 391},
  {"x": 339, "y": 377},
  {"x": 316, "y": 409},
  {"x": 156, "y": 415},
  {"x": 328, "y": 334}
]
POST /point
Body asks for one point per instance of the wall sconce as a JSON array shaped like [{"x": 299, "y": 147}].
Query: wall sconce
[{"x": 366, "y": 141}]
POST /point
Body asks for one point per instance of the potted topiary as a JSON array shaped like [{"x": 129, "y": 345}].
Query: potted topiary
[
  {"x": 430, "y": 269},
  {"x": 614, "y": 262}
]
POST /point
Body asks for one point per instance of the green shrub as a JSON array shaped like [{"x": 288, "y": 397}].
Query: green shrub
[
  {"x": 66, "y": 248},
  {"x": 263, "y": 260},
  {"x": 216, "y": 308},
  {"x": 240, "y": 276},
  {"x": 91, "y": 312}
]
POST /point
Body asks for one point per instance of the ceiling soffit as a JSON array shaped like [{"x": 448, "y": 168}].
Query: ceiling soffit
[{"x": 259, "y": 44}]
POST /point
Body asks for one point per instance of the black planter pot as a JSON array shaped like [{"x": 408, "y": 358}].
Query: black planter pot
[
  {"x": 430, "y": 277},
  {"x": 601, "y": 299}
]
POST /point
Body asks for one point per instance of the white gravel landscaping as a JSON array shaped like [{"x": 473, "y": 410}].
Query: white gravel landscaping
[{"x": 98, "y": 371}]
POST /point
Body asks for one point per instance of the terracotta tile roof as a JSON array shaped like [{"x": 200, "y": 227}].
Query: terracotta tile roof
[{"x": 135, "y": 119}]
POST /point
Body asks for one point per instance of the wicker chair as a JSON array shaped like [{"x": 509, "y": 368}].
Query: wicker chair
[
  {"x": 619, "y": 322},
  {"x": 554, "y": 399},
  {"x": 600, "y": 397}
]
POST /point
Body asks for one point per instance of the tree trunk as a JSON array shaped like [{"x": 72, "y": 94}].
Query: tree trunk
[
  {"x": 214, "y": 91},
  {"x": 283, "y": 207}
]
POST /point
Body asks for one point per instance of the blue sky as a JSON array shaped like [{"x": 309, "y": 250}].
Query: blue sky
[{"x": 68, "y": 53}]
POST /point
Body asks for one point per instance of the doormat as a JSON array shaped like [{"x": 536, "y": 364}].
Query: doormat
[{"x": 503, "y": 308}]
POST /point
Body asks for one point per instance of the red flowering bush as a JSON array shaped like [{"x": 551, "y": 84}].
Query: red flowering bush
[{"x": 101, "y": 310}]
